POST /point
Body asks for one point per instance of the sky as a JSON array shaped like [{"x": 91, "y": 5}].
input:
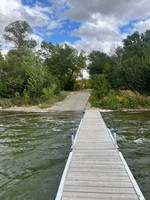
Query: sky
[{"x": 87, "y": 25}]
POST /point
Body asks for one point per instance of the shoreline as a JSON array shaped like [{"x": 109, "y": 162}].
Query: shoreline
[{"x": 56, "y": 106}]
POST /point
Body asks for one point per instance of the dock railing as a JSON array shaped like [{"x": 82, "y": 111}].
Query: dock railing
[
  {"x": 135, "y": 185},
  {"x": 63, "y": 178},
  {"x": 114, "y": 140}
]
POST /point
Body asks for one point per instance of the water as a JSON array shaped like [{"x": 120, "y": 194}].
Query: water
[
  {"x": 33, "y": 151},
  {"x": 34, "y": 148},
  {"x": 133, "y": 136}
]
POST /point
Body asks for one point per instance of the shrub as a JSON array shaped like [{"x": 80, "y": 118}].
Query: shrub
[
  {"x": 122, "y": 100},
  {"x": 5, "y": 103},
  {"x": 100, "y": 87}
]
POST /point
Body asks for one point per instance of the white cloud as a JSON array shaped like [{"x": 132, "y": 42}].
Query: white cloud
[
  {"x": 5, "y": 51},
  {"x": 54, "y": 24},
  {"x": 85, "y": 74},
  {"x": 98, "y": 34},
  {"x": 141, "y": 26},
  {"x": 123, "y": 10},
  {"x": 101, "y": 20},
  {"x": 37, "y": 38},
  {"x": 37, "y": 16}
]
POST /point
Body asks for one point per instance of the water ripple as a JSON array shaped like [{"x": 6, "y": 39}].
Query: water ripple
[{"x": 33, "y": 151}]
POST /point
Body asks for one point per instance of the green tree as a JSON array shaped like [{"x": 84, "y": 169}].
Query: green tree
[
  {"x": 19, "y": 33},
  {"x": 2, "y": 75},
  {"x": 118, "y": 56},
  {"x": 40, "y": 83},
  {"x": 1, "y": 60},
  {"x": 98, "y": 61},
  {"x": 131, "y": 39},
  {"x": 136, "y": 73},
  {"x": 64, "y": 62},
  {"x": 100, "y": 86},
  {"x": 131, "y": 67},
  {"x": 14, "y": 72},
  {"x": 146, "y": 36},
  {"x": 26, "y": 77}
]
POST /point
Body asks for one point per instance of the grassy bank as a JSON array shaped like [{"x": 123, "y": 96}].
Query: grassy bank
[
  {"x": 21, "y": 101},
  {"x": 118, "y": 100}
]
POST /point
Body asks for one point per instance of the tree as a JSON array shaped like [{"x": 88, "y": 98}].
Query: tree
[
  {"x": 40, "y": 83},
  {"x": 64, "y": 62},
  {"x": 131, "y": 39},
  {"x": 136, "y": 62},
  {"x": 19, "y": 33},
  {"x": 25, "y": 76},
  {"x": 98, "y": 61},
  {"x": 1, "y": 60},
  {"x": 100, "y": 86},
  {"x": 136, "y": 73},
  {"x": 146, "y": 36},
  {"x": 118, "y": 56},
  {"x": 13, "y": 79}
]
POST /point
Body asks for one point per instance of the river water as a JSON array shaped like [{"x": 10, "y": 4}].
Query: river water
[
  {"x": 133, "y": 137},
  {"x": 33, "y": 151},
  {"x": 34, "y": 148}
]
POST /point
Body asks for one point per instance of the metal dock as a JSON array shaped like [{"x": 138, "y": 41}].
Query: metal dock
[{"x": 95, "y": 168}]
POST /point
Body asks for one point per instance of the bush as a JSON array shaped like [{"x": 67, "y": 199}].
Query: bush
[
  {"x": 5, "y": 103},
  {"x": 122, "y": 100},
  {"x": 41, "y": 85},
  {"x": 100, "y": 87}
]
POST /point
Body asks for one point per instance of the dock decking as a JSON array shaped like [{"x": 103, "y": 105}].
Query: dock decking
[{"x": 96, "y": 170}]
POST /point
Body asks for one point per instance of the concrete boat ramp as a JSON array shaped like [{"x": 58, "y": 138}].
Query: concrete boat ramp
[
  {"x": 76, "y": 102},
  {"x": 95, "y": 168}
]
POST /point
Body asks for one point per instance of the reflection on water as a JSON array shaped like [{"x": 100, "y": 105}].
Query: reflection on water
[
  {"x": 133, "y": 138},
  {"x": 33, "y": 151}
]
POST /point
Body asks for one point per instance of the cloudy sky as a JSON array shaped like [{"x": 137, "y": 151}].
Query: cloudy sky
[{"x": 86, "y": 24}]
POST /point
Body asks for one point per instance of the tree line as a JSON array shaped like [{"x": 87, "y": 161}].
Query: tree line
[
  {"x": 36, "y": 75},
  {"x": 128, "y": 68}
]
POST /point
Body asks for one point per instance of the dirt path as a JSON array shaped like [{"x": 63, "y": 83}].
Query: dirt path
[{"x": 75, "y": 101}]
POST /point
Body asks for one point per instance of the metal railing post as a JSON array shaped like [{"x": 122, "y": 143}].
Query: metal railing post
[
  {"x": 72, "y": 138},
  {"x": 115, "y": 139}
]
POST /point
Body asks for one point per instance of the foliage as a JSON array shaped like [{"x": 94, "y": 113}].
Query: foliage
[
  {"x": 128, "y": 67},
  {"x": 83, "y": 84},
  {"x": 118, "y": 56},
  {"x": 29, "y": 78},
  {"x": 40, "y": 84},
  {"x": 100, "y": 87},
  {"x": 5, "y": 103},
  {"x": 18, "y": 32},
  {"x": 13, "y": 73},
  {"x": 44, "y": 105},
  {"x": 25, "y": 77},
  {"x": 122, "y": 100},
  {"x": 98, "y": 61},
  {"x": 63, "y": 61},
  {"x": 1, "y": 60}
]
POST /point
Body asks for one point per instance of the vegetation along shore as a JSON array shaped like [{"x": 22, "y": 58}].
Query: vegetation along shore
[{"x": 31, "y": 77}]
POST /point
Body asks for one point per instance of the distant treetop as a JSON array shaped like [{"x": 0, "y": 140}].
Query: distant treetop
[{"x": 19, "y": 33}]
